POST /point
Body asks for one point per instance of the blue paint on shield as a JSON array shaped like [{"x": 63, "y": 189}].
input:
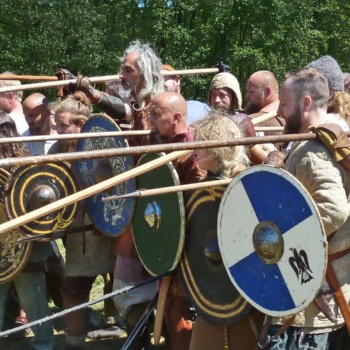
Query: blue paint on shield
[
  {"x": 111, "y": 217},
  {"x": 279, "y": 201},
  {"x": 262, "y": 279}
]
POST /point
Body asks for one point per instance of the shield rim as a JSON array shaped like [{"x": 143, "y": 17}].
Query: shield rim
[
  {"x": 26, "y": 228},
  {"x": 27, "y": 247}
]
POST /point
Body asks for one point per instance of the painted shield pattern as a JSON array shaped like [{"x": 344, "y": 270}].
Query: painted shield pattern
[
  {"x": 201, "y": 268},
  {"x": 34, "y": 186},
  {"x": 272, "y": 240},
  {"x": 13, "y": 255},
  {"x": 110, "y": 217}
]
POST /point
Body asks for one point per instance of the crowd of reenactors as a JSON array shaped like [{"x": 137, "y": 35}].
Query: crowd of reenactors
[{"x": 314, "y": 98}]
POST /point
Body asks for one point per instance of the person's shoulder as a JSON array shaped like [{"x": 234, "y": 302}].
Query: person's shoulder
[
  {"x": 25, "y": 133},
  {"x": 258, "y": 114},
  {"x": 196, "y": 110},
  {"x": 312, "y": 152}
]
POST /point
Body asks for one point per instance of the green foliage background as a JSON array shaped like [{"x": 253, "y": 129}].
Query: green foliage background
[{"x": 37, "y": 37}]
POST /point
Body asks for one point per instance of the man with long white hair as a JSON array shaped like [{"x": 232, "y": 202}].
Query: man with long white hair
[
  {"x": 129, "y": 101},
  {"x": 141, "y": 80}
]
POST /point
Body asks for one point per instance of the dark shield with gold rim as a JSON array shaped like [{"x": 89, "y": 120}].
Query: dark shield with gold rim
[
  {"x": 110, "y": 217},
  {"x": 202, "y": 271},
  {"x": 34, "y": 186},
  {"x": 159, "y": 221},
  {"x": 13, "y": 255}
]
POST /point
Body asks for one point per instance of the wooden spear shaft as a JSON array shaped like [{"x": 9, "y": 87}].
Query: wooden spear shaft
[
  {"x": 269, "y": 128},
  {"x": 36, "y": 138},
  {"x": 140, "y": 150},
  {"x": 28, "y": 77},
  {"x": 72, "y": 136},
  {"x": 61, "y": 203},
  {"x": 53, "y": 84},
  {"x": 264, "y": 118},
  {"x": 102, "y": 79},
  {"x": 255, "y": 121},
  {"x": 170, "y": 189}
]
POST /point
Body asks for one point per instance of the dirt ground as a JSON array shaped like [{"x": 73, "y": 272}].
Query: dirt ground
[{"x": 101, "y": 344}]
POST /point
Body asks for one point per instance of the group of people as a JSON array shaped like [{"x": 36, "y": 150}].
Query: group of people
[{"x": 145, "y": 100}]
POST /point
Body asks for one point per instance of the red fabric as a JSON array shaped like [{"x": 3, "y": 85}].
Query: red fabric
[
  {"x": 178, "y": 323},
  {"x": 187, "y": 166}
]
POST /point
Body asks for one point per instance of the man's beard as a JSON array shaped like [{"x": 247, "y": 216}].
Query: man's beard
[
  {"x": 293, "y": 122},
  {"x": 34, "y": 130},
  {"x": 251, "y": 108},
  {"x": 124, "y": 92},
  {"x": 222, "y": 108}
]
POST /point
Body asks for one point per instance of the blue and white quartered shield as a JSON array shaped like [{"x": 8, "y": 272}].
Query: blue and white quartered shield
[
  {"x": 272, "y": 240},
  {"x": 110, "y": 217}
]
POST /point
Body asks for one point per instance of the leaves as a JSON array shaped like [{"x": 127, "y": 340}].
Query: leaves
[{"x": 88, "y": 36}]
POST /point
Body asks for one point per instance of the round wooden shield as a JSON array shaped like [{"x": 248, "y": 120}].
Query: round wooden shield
[
  {"x": 201, "y": 268},
  {"x": 34, "y": 186},
  {"x": 110, "y": 217},
  {"x": 159, "y": 221},
  {"x": 13, "y": 255},
  {"x": 272, "y": 240}
]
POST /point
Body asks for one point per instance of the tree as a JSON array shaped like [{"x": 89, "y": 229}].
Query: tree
[{"x": 88, "y": 36}]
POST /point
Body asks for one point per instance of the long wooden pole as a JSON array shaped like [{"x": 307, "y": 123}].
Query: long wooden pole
[
  {"x": 264, "y": 118},
  {"x": 269, "y": 128},
  {"x": 339, "y": 295},
  {"x": 140, "y": 150},
  {"x": 36, "y": 138},
  {"x": 170, "y": 189},
  {"x": 158, "y": 323},
  {"x": 27, "y": 77},
  {"x": 102, "y": 79},
  {"x": 61, "y": 203}
]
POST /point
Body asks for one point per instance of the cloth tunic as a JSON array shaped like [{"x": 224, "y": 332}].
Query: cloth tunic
[
  {"x": 97, "y": 259},
  {"x": 329, "y": 186}
]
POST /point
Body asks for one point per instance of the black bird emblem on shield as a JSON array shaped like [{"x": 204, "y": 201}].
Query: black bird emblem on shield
[{"x": 300, "y": 264}]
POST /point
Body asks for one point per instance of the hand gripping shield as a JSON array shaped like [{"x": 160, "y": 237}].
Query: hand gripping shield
[{"x": 272, "y": 240}]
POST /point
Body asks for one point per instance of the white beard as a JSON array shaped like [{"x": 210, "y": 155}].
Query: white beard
[{"x": 124, "y": 94}]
